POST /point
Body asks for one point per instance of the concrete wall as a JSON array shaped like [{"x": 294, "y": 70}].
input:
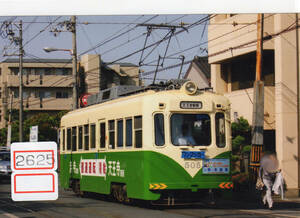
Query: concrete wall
[{"x": 229, "y": 41}]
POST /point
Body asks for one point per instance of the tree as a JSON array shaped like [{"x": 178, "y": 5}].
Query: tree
[{"x": 241, "y": 142}]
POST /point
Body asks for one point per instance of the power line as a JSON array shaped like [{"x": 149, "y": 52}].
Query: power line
[
  {"x": 266, "y": 38},
  {"x": 120, "y": 45},
  {"x": 166, "y": 38},
  {"x": 40, "y": 32},
  {"x": 115, "y": 37},
  {"x": 206, "y": 42}
]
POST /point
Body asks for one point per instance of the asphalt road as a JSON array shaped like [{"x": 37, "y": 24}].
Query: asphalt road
[{"x": 68, "y": 205}]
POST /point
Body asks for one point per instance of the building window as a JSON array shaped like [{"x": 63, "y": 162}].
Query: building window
[
  {"x": 240, "y": 71},
  {"x": 93, "y": 136},
  {"x": 14, "y": 71},
  {"x": 62, "y": 95},
  {"x": 62, "y": 71},
  {"x": 43, "y": 94},
  {"x": 39, "y": 71},
  {"x": 16, "y": 94},
  {"x": 138, "y": 133},
  {"x": 26, "y": 94},
  {"x": 48, "y": 71}
]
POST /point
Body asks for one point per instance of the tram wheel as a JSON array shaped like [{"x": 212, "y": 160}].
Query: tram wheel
[
  {"x": 120, "y": 193},
  {"x": 76, "y": 189}
]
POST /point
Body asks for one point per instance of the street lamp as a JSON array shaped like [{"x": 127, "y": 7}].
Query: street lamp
[
  {"x": 50, "y": 49},
  {"x": 74, "y": 71}
]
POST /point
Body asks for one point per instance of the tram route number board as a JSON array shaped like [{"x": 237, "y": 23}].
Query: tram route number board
[{"x": 34, "y": 177}]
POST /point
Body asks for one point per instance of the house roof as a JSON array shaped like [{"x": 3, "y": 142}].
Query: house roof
[{"x": 202, "y": 64}]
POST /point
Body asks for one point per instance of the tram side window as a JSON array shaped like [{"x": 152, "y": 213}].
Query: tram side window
[
  {"x": 63, "y": 140},
  {"x": 80, "y": 141},
  {"x": 129, "y": 133},
  {"x": 86, "y": 137},
  {"x": 220, "y": 130},
  {"x": 120, "y": 134},
  {"x": 74, "y": 137},
  {"x": 111, "y": 131},
  {"x": 102, "y": 135},
  {"x": 93, "y": 136},
  {"x": 138, "y": 131},
  {"x": 159, "y": 129},
  {"x": 68, "y": 139}
]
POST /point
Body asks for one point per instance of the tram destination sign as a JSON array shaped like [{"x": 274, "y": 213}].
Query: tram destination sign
[
  {"x": 190, "y": 104},
  {"x": 34, "y": 177}
]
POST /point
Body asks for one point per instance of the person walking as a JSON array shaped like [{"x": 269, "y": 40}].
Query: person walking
[{"x": 267, "y": 172}]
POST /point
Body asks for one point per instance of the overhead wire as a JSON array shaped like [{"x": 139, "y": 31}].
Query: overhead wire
[
  {"x": 166, "y": 38},
  {"x": 120, "y": 45},
  {"x": 210, "y": 40},
  {"x": 271, "y": 36},
  {"x": 36, "y": 35},
  {"x": 111, "y": 38}
]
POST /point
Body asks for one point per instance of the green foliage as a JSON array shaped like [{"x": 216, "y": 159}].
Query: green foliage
[
  {"x": 241, "y": 127},
  {"x": 237, "y": 142},
  {"x": 235, "y": 157},
  {"x": 241, "y": 138},
  {"x": 246, "y": 149}
]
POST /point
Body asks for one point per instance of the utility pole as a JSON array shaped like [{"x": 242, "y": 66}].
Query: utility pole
[
  {"x": 8, "y": 142},
  {"x": 7, "y": 28},
  {"x": 20, "y": 82},
  {"x": 69, "y": 26},
  {"x": 74, "y": 63},
  {"x": 258, "y": 104}
]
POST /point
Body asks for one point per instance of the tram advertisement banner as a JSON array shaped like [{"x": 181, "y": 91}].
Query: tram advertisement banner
[{"x": 216, "y": 166}]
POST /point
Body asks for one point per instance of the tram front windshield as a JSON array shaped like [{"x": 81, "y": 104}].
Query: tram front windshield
[{"x": 191, "y": 129}]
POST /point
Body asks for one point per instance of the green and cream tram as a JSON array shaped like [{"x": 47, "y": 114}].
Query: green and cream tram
[{"x": 153, "y": 145}]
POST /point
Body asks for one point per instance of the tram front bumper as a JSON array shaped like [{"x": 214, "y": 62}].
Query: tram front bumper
[{"x": 187, "y": 186}]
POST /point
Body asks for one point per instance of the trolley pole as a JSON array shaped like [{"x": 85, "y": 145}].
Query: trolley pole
[
  {"x": 20, "y": 82},
  {"x": 258, "y": 104}
]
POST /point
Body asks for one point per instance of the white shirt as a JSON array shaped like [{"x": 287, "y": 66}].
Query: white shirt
[{"x": 185, "y": 140}]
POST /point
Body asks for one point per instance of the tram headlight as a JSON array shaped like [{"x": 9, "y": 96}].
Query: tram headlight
[{"x": 190, "y": 88}]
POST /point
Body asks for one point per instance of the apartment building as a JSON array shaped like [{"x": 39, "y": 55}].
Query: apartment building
[
  {"x": 232, "y": 56},
  {"x": 48, "y": 86}
]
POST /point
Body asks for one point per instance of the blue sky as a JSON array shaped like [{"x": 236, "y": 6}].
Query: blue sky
[{"x": 95, "y": 30}]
